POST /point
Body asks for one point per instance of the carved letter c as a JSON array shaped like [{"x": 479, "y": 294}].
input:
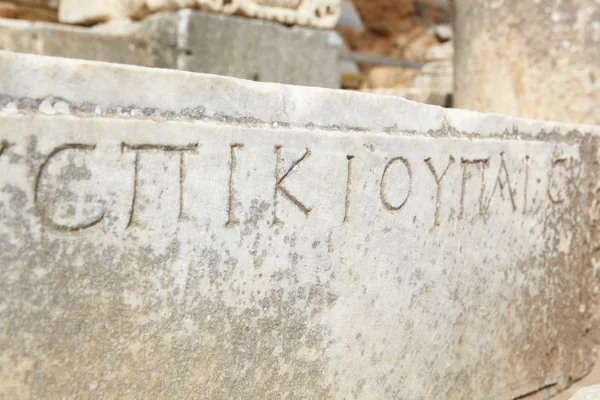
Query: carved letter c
[{"x": 43, "y": 213}]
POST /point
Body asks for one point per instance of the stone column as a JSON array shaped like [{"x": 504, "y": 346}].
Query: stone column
[{"x": 534, "y": 59}]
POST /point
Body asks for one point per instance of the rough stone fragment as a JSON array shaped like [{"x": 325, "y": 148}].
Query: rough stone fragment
[
  {"x": 73, "y": 42},
  {"x": 529, "y": 58},
  {"x": 238, "y": 47},
  {"x": 317, "y": 13},
  {"x": 588, "y": 393},
  {"x": 167, "y": 234},
  {"x": 444, "y": 32},
  {"x": 258, "y": 50}
]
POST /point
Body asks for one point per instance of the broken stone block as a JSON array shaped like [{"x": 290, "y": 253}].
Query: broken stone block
[
  {"x": 73, "y": 42},
  {"x": 317, "y": 13},
  {"x": 254, "y": 49},
  {"x": 169, "y": 234},
  {"x": 258, "y": 50}
]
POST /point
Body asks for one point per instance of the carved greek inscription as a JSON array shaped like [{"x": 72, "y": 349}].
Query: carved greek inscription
[
  {"x": 42, "y": 208},
  {"x": 348, "y": 189},
  {"x": 156, "y": 147},
  {"x": 438, "y": 183},
  {"x": 500, "y": 184},
  {"x": 481, "y": 164},
  {"x": 383, "y": 188},
  {"x": 279, "y": 184},
  {"x": 553, "y": 195},
  {"x": 396, "y": 184},
  {"x": 231, "y": 200}
]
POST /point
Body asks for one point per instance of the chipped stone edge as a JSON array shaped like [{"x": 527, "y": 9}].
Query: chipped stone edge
[{"x": 52, "y": 86}]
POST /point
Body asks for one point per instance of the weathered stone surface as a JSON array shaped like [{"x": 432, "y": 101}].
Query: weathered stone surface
[
  {"x": 317, "y": 13},
  {"x": 588, "y": 393},
  {"x": 258, "y": 50},
  {"x": 533, "y": 59},
  {"x": 166, "y": 234},
  {"x": 73, "y": 42},
  {"x": 192, "y": 41}
]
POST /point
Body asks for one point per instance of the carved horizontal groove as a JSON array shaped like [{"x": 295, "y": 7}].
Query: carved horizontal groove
[{"x": 164, "y": 147}]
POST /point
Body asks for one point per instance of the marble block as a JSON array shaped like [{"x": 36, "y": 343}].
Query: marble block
[{"x": 179, "y": 235}]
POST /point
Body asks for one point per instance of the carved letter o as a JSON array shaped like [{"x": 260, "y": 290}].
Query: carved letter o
[{"x": 382, "y": 192}]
